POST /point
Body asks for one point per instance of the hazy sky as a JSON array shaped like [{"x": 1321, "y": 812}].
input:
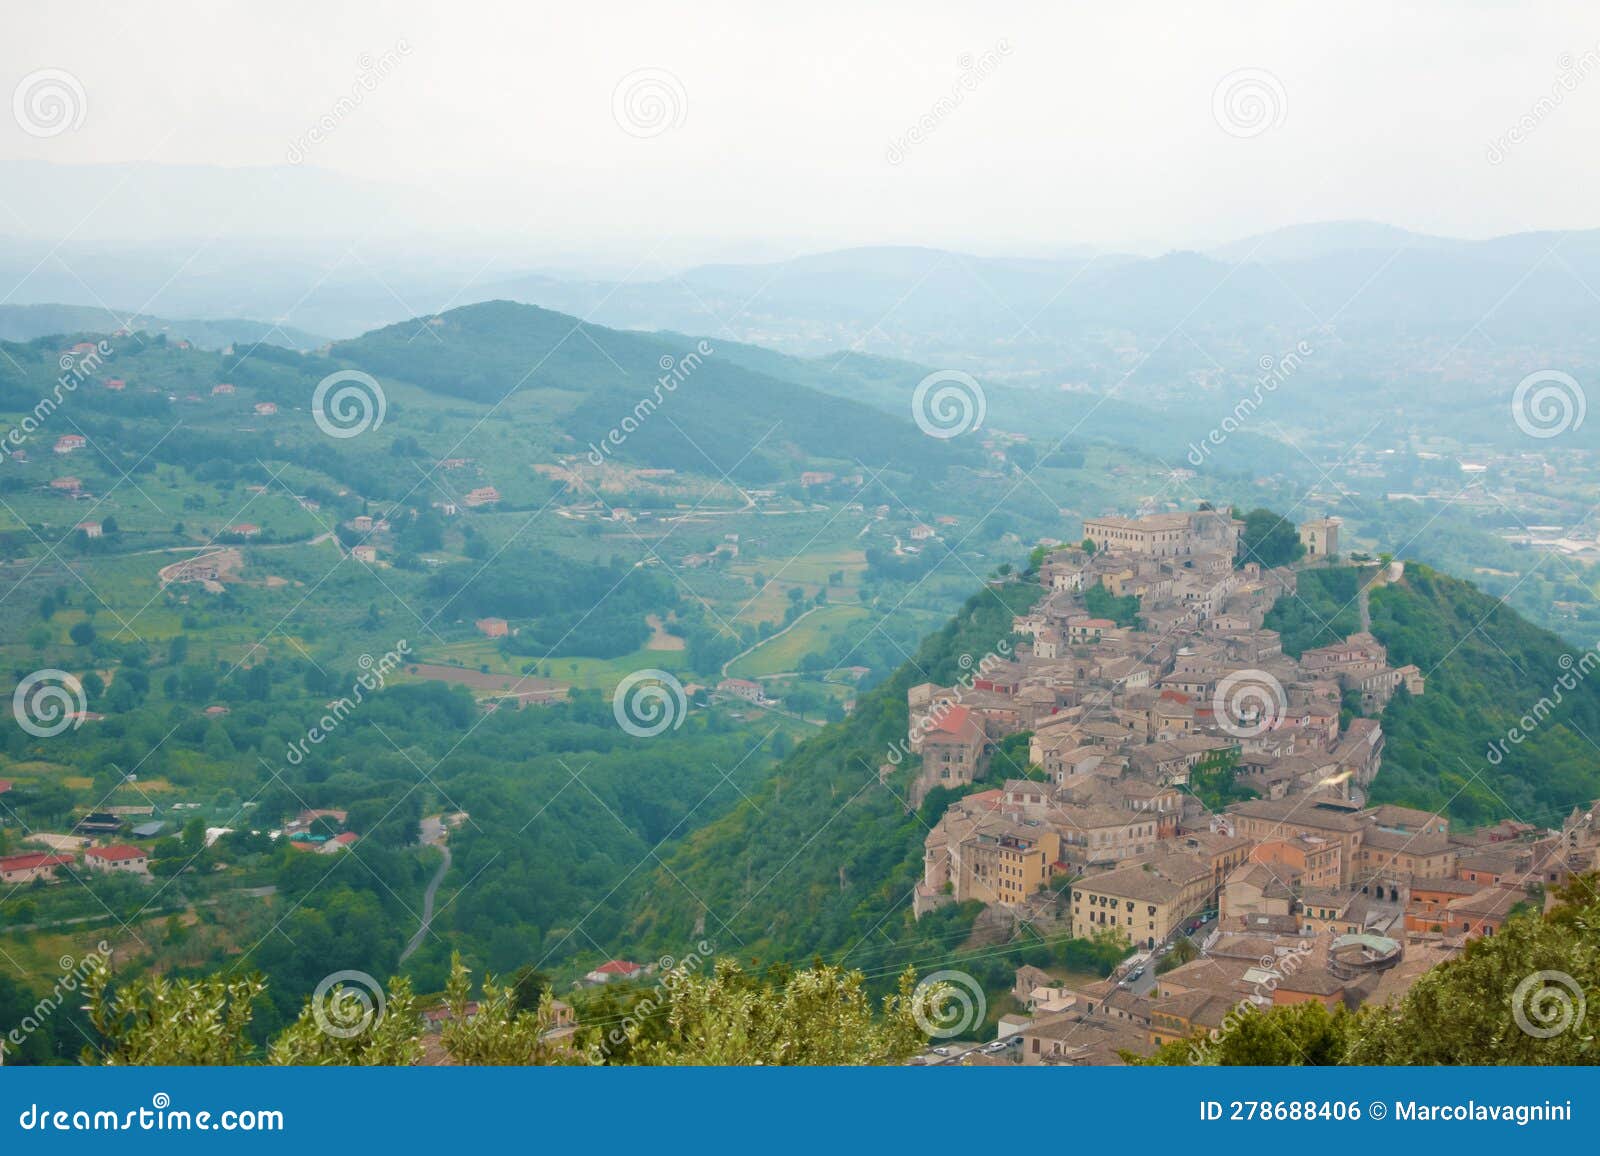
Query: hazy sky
[{"x": 1077, "y": 123}]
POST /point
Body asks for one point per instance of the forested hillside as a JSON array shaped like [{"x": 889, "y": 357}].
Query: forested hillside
[
  {"x": 1488, "y": 670},
  {"x": 822, "y": 859}
]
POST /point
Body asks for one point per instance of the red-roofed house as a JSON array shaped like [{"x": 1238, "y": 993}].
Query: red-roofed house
[
  {"x": 266, "y": 408},
  {"x": 222, "y": 388},
  {"x": 492, "y": 627},
  {"x": 991, "y": 800},
  {"x": 66, "y": 443},
  {"x": 119, "y": 858},
  {"x": 90, "y": 529},
  {"x": 5, "y": 785},
  {"x": 952, "y": 748},
  {"x": 116, "y": 384},
  {"x": 27, "y": 868},
  {"x": 68, "y": 485},
  {"x": 245, "y": 529},
  {"x": 482, "y": 496},
  {"x": 614, "y": 969}
]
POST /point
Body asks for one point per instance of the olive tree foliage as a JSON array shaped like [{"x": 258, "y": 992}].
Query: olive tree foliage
[
  {"x": 498, "y": 1032},
  {"x": 360, "y": 1036},
  {"x": 822, "y": 1015},
  {"x": 152, "y": 1020}
]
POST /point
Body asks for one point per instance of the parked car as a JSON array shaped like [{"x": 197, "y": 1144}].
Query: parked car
[
  {"x": 997, "y": 1046},
  {"x": 941, "y": 1051}
]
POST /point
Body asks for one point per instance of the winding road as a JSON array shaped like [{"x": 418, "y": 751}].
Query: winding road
[{"x": 433, "y": 835}]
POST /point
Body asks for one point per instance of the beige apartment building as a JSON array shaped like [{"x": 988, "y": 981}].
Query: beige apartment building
[{"x": 1146, "y": 902}]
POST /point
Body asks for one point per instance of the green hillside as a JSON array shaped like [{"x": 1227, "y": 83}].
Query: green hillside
[
  {"x": 741, "y": 419},
  {"x": 1487, "y": 670},
  {"x": 823, "y": 857}
]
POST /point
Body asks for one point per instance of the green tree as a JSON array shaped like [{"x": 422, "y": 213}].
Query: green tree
[
  {"x": 498, "y": 1032},
  {"x": 822, "y": 1015},
  {"x": 156, "y": 1021},
  {"x": 1303, "y": 1034},
  {"x": 351, "y": 1026},
  {"x": 1270, "y": 539}
]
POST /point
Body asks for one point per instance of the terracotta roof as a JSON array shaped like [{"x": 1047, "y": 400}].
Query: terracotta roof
[
  {"x": 34, "y": 860},
  {"x": 119, "y": 852},
  {"x": 952, "y": 721}
]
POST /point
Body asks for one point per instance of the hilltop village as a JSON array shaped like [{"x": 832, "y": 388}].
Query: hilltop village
[{"x": 1192, "y": 790}]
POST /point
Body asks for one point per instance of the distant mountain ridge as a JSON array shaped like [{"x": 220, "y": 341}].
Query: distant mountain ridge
[
  {"x": 28, "y": 322},
  {"x": 919, "y": 303}
]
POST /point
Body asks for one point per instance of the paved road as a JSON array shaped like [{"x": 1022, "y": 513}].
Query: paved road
[{"x": 433, "y": 834}]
